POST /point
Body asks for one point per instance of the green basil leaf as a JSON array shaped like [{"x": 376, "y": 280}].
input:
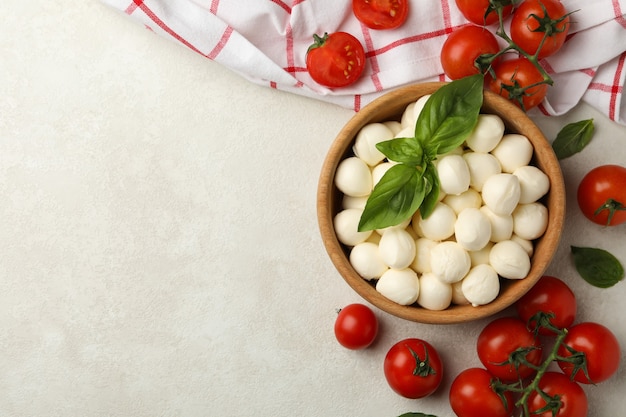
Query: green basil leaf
[
  {"x": 450, "y": 114},
  {"x": 405, "y": 150},
  {"x": 395, "y": 198},
  {"x": 433, "y": 186},
  {"x": 573, "y": 138},
  {"x": 597, "y": 266},
  {"x": 416, "y": 415}
]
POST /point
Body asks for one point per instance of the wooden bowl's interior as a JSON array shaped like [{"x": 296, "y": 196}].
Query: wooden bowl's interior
[{"x": 390, "y": 107}]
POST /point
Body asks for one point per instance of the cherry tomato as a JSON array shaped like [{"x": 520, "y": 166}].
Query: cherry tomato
[
  {"x": 600, "y": 348},
  {"x": 503, "y": 337},
  {"x": 514, "y": 74},
  {"x": 356, "y": 326},
  {"x": 481, "y": 12},
  {"x": 602, "y": 195},
  {"x": 413, "y": 368},
  {"x": 572, "y": 398},
  {"x": 381, "y": 14},
  {"x": 548, "y": 295},
  {"x": 335, "y": 60},
  {"x": 463, "y": 47},
  {"x": 534, "y": 19},
  {"x": 471, "y": 395}
]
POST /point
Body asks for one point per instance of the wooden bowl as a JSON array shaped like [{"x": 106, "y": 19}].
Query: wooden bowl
[{"x": 390, "y": 107}]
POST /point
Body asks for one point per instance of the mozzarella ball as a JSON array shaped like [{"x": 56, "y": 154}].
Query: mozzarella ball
[
  {"x": 353, "y": 177},
  {"x": 434, "y": 294},
  {"x": 481, "y": 285},
  {"x": 353, "y": 202},
  {"x": 449, "y": 261},
  {"x": 366, "y": 140},
  {"x": 438, "y": 226},
  {"x": 399, "y": 285},
  {"x": 379, "y": 171},
  {"x": 366, "y": 261},
  {"x": 481, "y": 166},
  {"x": 421, "y": 262},
  {"x": 524, "y": 243},
  {"x": 406, "y": 132},
  {"x": 346, "y": 224},
  {"x": 513, "y": 151},
  {"x": 397, "y": 248},
  {"x": 404, "y": 225},
  {"x": 472, "y": 229},
  {"x": 419, "y": 106},
  {"x": 454, "y": 175},
  {"x": 501, "y": 225},
  {"x": 530, "y": 221},
  {"x": 509, "y": 260},
  {"x": 479, "y": 257},
  {"x": 408, "y": 118},
  {"x": 394, "y": 126},
  {"x": 459, "y": 202},
  {"x": 458, "y": 297},
  {"x": 533, "y": 183},
  {"x": 487, "y": 133},
  {"x": 501, "y": 193}
]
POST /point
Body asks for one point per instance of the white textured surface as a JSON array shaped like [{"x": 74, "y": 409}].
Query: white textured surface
[{"x": 159, "y": 247}]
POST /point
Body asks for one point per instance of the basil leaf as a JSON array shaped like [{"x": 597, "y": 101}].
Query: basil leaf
[
  {"x": 432, "y": 191},
  {"x": 405, "y": 150},
  {"x": 573, "y": 138},
  {"x": 450, "y": 114},
  {"x": 395, "y": 198},
  {"x": 597, "y": 266},
  {"x": 416, "y": 415}
]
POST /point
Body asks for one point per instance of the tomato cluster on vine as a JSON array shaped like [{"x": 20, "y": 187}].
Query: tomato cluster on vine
[
  {"x": 517, "y": 352},
  {"x": 538, "y": 29}
]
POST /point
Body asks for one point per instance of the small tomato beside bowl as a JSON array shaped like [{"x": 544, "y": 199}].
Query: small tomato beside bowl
[{"x": 602, "y": 195}]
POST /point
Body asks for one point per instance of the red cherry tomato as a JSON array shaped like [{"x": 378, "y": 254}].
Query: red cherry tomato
[
  {"x": 335, "y": 60},
  {"x": 600, "y": 348},
  {"x": 518, "y": 73},
  {"x": 356, "y": 326},
  {"x": 463, "y": 47},
  {"x": 413, "y": 368},
  {"x": 548, "y": 295},
  {"x": 602, "y": 195},
  {"x": 533, "y": 19},
  {"x": 503, "y": 337},
  {"x": 572, "y": 398},
  {"x": 381, "y": 14},
  {"x": 481, "y": 12},
  {"x": 471, "y": 395}
]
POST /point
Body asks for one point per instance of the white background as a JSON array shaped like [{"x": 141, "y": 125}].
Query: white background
[{"x": 159, "y": 250}]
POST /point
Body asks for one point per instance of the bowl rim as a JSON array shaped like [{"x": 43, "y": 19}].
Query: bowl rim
[{"x": 390, "y": 107}]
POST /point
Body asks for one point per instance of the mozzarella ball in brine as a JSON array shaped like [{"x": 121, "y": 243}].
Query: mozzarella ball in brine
[{"x": 353, "y": 177}]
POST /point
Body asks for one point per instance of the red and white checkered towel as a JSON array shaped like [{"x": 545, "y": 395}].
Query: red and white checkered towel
[{"x": 266, "y": 41}]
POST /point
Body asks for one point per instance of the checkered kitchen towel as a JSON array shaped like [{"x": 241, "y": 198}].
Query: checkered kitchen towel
[{"x": 266, "y": 41}]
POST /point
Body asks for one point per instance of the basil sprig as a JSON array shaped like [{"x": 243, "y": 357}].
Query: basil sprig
[
  {"x": 573, "y": 138},
  {"x": 448, "y": 117},
  {"x": 598, "y": 267}
]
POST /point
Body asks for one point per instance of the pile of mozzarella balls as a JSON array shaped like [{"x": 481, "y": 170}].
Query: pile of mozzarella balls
[{"x": 481, "y": 230}]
